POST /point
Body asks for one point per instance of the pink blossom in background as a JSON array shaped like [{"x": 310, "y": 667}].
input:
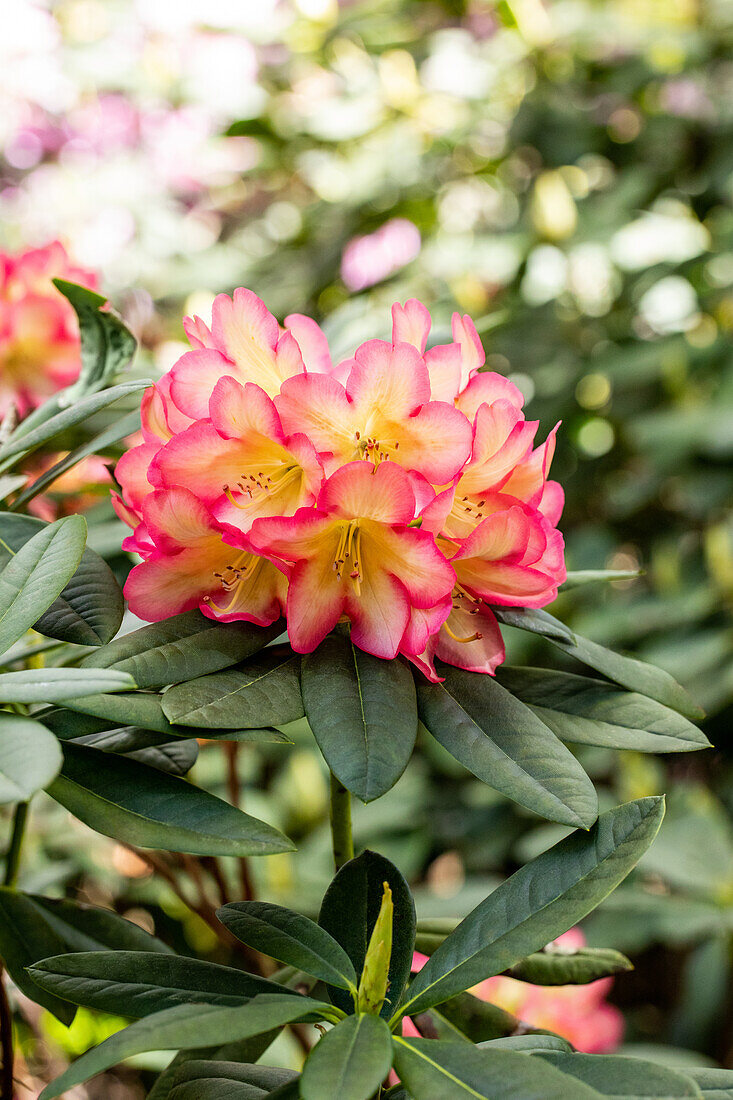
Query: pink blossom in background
[
  {"x": 579, "y": 1013},
  {"x": 368, "y": 260},
  {"x": 39, "y": 336}
]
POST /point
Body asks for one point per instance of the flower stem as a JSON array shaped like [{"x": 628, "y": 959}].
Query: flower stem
[
  {"x": 343, "y": 844},
  {"x": 12, "y": 856},
  {"x": 6, "y": 1043}
]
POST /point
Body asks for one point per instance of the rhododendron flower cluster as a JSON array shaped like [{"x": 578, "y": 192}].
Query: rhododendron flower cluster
[
  {"x": 401, "y": 490},
  {"x": 39, "y": 334}
]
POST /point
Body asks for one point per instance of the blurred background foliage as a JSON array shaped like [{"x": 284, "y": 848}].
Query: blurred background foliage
[{"x": 563, "y": 172}]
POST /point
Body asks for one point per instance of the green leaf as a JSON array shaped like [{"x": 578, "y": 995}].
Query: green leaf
[
  {"x": 478, "y": 1020},
  {"x": 247, "y": 1051},
  {"x": 181, "y": 648},
  {"x": 31, "y": 928},
  {"x": 265, "y": 1078},
  {"x": 593, "y": 712},
  {"x": 350, "y": 909},
  {"x": 217, "y": 1088},
  {"x": 175, "y": 757},
  {"x": 140, "y": 805},
  {"x": 539, "y": 902},
  {"x": 363, "y": 714},
  {"x": 27, "y": 439},
  {"x": 349, "y": 1062},
  {"x": 30, "y": 758},
  {"x": 535, "y": 621},
  {"x": 262, "y": 692},
  {"x": 614, "y": 1075},
  {"x": 140, "y": 709},
  {"x": 145, "y": 710},
  {"x": 506, "y": 745},
  {"x": 37, "y": 574},
  {"x": 107, "y": 345},
  {"x": 558, "y": 967},
  {"x": 136, "y": 983},
  {"x": 89, "y": 610},
  {"x": 123, "y": 426},
  {"x": 579, "y": 577},
  {"x": 434, "y": 1070},
  {"x": 628, "y": 672},
  {"x": 188, "y": 1027},
  {"x": 530, "y": 1044},
  {"x": 90, "y": 928},
  {"x": 716, "y": 1084},
  {"x": 291, "y": 939},
  {"x": 56, "y": 685}
]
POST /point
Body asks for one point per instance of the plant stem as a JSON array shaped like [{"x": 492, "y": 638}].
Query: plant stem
[
  {"x": 343, "y": 843},
  {"x": 6, "y": 1043},
  {"x": 12, "y": 856}
]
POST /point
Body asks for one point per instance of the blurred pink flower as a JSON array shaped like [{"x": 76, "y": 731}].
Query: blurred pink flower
[
  {"x": 368, "y": 260},
  {"x": 579, "y": 1013},
  {"x": 77, "y": 490},
  {"x": 39, "y": 337}
]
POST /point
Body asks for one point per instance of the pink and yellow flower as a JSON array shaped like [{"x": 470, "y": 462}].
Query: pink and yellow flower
[
  {"x": 39, "y": 335},
  {"x": 400, "y": 490}
]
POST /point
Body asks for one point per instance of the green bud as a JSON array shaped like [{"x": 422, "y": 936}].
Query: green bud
[{"x": 375, "y": 975}]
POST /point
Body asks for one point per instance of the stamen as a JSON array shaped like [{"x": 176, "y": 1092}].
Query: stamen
[{"x": 470, "y": 638}]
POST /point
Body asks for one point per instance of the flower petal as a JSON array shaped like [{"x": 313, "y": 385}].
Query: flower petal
[
  {"x": 359, "y": 490},
  {"x": 132, "y": 473},
  {"x": 312, "y": 343},
  {"x": 388, "y": 380},
  {"x": 194, "y": 377},
  {"x": 237, "y": 411},
  {"x": 485, "y": 388},
  {"x": 411, "y": 324},
  {"x": 484, "y": 652},
  {"x": 444, "y": 367}
]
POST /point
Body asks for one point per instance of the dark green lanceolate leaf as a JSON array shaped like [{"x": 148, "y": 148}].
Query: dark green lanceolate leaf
[
  {"x": 175, "y": 757},
  {"x": 30, "y": 758},
  {"x": 145, "y": 710},
  {"x": 290, "y": 938},
  {"x": 363, "y": 714},
  {"x": 23, "y": 442},
  {"x": 350, "y": 909},
  {"x": 539, "y": 902},
  {"x": 349, "y": 1062},
  {"x": 529, "y": 1044},
  {"x": 135, "y": 983},
  {"x": 189, "y": 1027},
  {"x": 107, "y": 345},
  {"x": 264, "y": 691},
  {"x": 435, "y": 1070},
  {"x": 580, "y": 577},
  {"x": 128, "y": 801},
  {"x": 593, "y": 712},
  {"x": 613, "y": 1075},
  {"x": 56, "y": 685},
  {"x": 245, "y": 1051},
  {"x": 627, "y": 671},
  {"x": 140, "y": 709},
  {"x": 90, "y": 928},
  {"x": 32, "y": 928},
  {"x": 89, "y": 609},
  {"x": 716, "y": 1084},
  {"x": 266, "y": 1078},
  {"x": 37, "y": 574},
  {"x": 535, "y": 621},
  {"x": 506, "y": 745},
  {"x": 558, "y": 967},
  {"x": 217, "y": 1088},
  {"x": 124, "y": 426},
  {"x": 181, "y": 648},
  {"x": 478, "y": 1020}
]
